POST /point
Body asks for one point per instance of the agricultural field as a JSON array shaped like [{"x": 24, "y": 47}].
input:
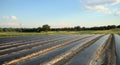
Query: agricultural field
[
  {"x": 62, "y": 49},
  {"x": 14, "y": 34}
]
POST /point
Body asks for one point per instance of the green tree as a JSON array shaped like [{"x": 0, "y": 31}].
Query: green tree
[
  {"x": 77, "y": 28},
  {"x": 39, "y": 29},
  {"x": 46, "y": 27},
  {"x": 118, "y": 26},
  {"x": 1, "y": 30}
]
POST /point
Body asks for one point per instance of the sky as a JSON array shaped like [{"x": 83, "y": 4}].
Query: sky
[{"x": 59, "y": 13}]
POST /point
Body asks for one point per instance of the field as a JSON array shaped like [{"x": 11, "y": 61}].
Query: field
[
  {"x": 62, "y": 49},
  {"x": 11, "y": 34}
]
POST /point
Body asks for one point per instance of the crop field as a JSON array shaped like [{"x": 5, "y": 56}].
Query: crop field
[
  {"x": 74, "y": 49},
  {"x": 15, "y": 34}
]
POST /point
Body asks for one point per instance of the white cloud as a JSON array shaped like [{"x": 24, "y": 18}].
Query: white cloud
[
  {"x": 9, "y": 17},
  {"x": 98, "y": 9},
  {"x": 118, "y": 13},
  {"x": 61, "y": 24},
  {"x": 116, "y": 2},
  {"x": 100, "y": 2},
  {"x": 100, "y": 5},
  {"x": 10, "y": 24},
  {"x": 5, "y": 17},
  {"x": 14, "y": 17}
]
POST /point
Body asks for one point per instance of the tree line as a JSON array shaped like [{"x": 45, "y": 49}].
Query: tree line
[{"x": 47, "y": 28}]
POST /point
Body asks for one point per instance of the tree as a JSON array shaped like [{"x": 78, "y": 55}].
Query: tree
[
  {"x": 1, "y": 30},
  {"x": 39, "y": 29},
  {"x": 46, "y": 27},
  {"x": 118, "y": 26},
  {"x": 83, "y": 28},
  {"x": 77, "y": 28},
  {"x": 111, "y": 26}
]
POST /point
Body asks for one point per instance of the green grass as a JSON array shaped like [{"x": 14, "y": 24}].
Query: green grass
[
  {"x": 101, "y": 32},
  {"x": 11, "y": 34}
]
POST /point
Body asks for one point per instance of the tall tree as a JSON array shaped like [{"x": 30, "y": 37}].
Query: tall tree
[
  {"x": 46, "y": 27},
  {"x": 39, "y": 29},
  {"x": 118, "y": 26},
  {"x": 77, "y": 28}
]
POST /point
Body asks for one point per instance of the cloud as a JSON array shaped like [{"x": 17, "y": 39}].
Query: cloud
[
  {"x": 118, "y": 13},
  {"x": 104, "y": 6},
  {"x": 9, "y": 17},
  {"x": 10, "y": 24},
  {"x": 9, "y": 21},
  {"x": 14, "y": 17},
  {"x": 98, "y": 9},
  {"x": 116, "y": 2},
  {"x": 100, "y": 2},
  {"x": 61, "y": 24},
  {"x": 5, "y": 17}
]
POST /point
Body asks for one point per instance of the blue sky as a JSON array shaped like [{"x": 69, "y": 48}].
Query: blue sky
[{"x": 59, "y": 13}]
